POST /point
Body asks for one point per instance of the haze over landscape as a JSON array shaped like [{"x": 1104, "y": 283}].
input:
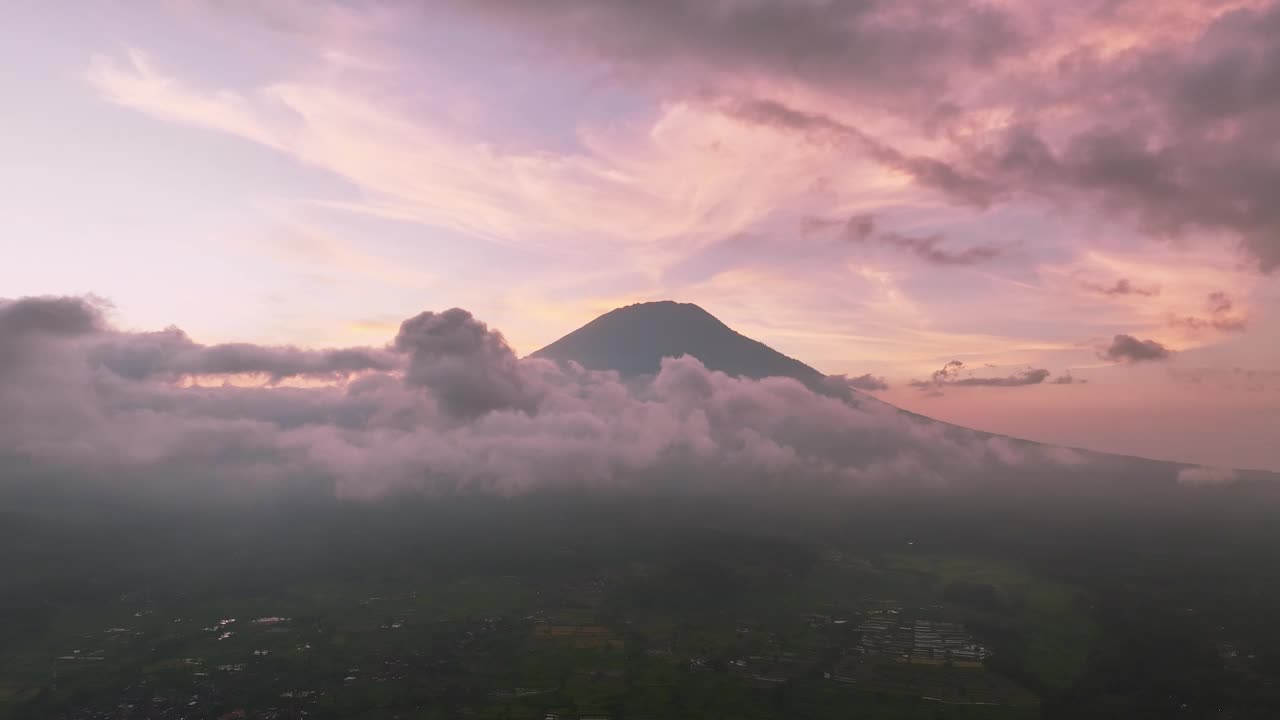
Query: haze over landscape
[{"x": 636, "y": 359}]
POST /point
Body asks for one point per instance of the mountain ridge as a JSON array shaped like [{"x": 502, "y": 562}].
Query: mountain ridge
[{"x": 634, "y": 339}]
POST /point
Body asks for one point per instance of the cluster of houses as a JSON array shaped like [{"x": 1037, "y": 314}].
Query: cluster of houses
[{"x": 923, "y": 641}]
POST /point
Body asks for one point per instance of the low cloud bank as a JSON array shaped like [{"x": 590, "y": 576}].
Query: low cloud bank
[
  {"x": 445, "y": 406},
  {"x": 866, "y": 381}
]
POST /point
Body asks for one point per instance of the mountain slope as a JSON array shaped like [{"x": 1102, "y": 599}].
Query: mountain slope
[{"x": 634, "y": 339}]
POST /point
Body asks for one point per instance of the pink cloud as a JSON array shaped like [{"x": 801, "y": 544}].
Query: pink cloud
[
  {"x": 463, "y": 414},
  {"x": 1022, "y": 161}
]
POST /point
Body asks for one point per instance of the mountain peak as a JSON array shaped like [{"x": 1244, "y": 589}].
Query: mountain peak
[
  {"x": 668, "y": 307},
  {"x": 662, "y": 312},
  {"x": 633, "y": 340}
]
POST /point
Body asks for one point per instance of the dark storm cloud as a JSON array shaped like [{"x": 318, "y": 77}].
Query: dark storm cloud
[
  {"x": 1127, "y": 348},
  {"x": 955, "y": 374},
  {"x": 458, "y": 412},
  {"x": 1067, "y": 379}
]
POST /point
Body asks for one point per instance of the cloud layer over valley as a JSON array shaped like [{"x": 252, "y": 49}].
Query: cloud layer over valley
[{"x": 445, "y": 406}]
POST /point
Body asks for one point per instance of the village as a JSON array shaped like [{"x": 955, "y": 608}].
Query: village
[
  {"x": 593, "y": 657},
  {"x": 604, "y": 645}
]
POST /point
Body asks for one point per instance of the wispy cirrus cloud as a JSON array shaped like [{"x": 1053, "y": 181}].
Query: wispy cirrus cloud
[{"x": 617, "y": 188}]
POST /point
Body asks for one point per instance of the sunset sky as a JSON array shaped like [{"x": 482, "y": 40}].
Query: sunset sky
[{"x": 1078, "y": 202}]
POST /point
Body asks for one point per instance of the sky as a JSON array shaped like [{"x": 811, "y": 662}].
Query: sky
[{"x": 1057, "y": 221}]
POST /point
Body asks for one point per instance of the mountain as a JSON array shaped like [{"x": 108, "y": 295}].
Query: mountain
[{"x": 634, "y": 339}]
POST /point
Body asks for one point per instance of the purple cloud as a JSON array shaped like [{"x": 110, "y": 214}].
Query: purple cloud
[
  {"x": 1122, "y": 287},
  {"x": 861, "y": 230},
  {"x": 460, "y": 411},
  {"x": 50, "y": 316},
  {"x": 170, "y": 354},
  {"x": 927, "y": 171},
  {"x": 869, "y": 46},
  {"x": 1219, "y": 307},
  {"x": 1127, "y": 348},
  {"x": 470, "y": 368},
  {"x": 954, "y": 374},
  {"x": 866, "y": 381},
  {"x": 1176, "y": 132}
]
